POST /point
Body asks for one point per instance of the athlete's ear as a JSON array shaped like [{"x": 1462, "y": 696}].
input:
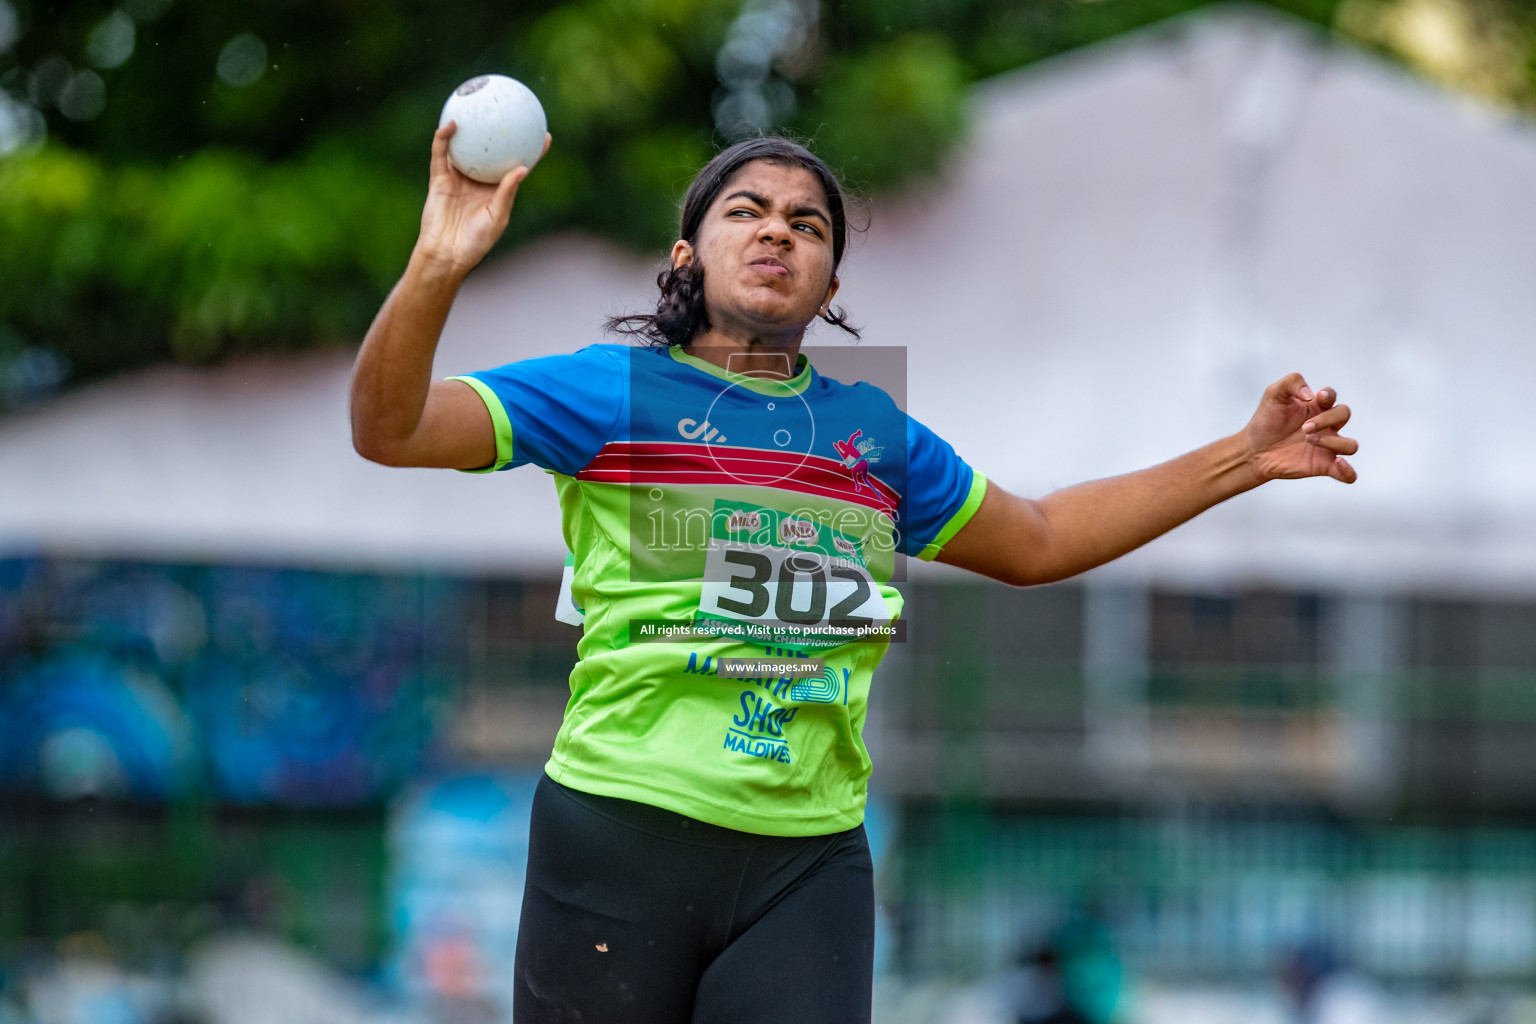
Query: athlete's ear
[
  {"x": 682, "y": 252},
  {"x": 826, "y": 303}
]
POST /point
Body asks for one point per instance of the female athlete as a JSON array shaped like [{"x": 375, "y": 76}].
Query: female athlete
[{"x": 697, "y": 850}]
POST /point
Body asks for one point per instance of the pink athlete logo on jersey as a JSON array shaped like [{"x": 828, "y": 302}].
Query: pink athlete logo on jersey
[{"x": 857, "y": 455}]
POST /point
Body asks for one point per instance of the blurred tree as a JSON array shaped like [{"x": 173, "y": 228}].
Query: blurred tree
[
  {"x": 1484, "y": 47},
  {"x": 181, "y": 179}
]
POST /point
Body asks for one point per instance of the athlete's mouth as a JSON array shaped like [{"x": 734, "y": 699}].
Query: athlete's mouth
[{"x": 769, "y": 265}]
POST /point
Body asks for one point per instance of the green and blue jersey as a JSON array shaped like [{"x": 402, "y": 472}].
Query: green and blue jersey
[{"x": 759, "y": 517}]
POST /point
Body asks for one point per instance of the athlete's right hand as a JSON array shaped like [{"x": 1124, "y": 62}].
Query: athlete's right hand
[{"x": 463, "y": 218}]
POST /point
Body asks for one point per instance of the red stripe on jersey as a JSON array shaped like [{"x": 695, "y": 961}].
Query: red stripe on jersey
[{"x": 626, "y": 462}]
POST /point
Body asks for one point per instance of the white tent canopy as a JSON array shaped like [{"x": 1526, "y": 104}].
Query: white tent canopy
[
  {"x": 254, "y": 460},
  {"x": 1134, "y": 241}
]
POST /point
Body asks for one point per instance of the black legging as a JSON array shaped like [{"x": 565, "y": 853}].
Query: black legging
[{"x": 636, "y": 914}]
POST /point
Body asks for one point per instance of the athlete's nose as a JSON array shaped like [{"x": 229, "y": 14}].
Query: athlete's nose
[{"x": 776, "y": 230}]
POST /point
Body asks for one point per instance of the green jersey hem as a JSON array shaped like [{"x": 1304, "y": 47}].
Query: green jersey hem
[
  {"x": 732, "y": 816},
  {"x": 962, "y": 516},
  {"x": 762, "y": 385},
  {"x": 499, "y": 419}
]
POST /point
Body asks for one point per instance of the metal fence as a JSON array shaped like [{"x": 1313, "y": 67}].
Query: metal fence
[{"x": 1213, "y": 897}]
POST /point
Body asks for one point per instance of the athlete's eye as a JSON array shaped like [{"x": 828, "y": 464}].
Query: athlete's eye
[{"x": 812, "y": 228}]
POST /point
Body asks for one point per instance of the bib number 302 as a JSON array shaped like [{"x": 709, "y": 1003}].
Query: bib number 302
[{"x": 789, "y": 591}]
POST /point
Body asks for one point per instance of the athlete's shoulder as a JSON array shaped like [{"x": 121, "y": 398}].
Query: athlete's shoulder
[
  {"x": 601, "y": 358},
  {"x": 860, "y": 392},
  {"x": 646, "y": 359},
  {"x": 592, "y": 366},
  {"x": 605, "y": 352},
  {"x": 609, "y": 348}
]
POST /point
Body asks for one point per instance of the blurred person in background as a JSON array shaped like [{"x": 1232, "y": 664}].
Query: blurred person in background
[
  {"x": 672, "y": 877},
  {"x": 1036, "y": 993},
  {"x": 1319, "y": 988},
  {"x": 1074, "y": 977}
]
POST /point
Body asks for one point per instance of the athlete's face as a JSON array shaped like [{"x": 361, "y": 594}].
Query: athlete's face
[{"x": 765, "y": 244}]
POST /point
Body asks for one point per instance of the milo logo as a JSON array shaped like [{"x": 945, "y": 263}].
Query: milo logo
[
  {"x": 846, "y": 547},
  {"x": 797, "y": 531},
  {"x": 473, "y": 85},
  {"x": 741, "y": 520}
]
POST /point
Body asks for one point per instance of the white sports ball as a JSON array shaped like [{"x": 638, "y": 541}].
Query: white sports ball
[{"x": 501, "y": 125}]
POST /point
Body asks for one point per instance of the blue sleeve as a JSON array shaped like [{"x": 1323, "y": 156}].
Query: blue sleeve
[
  {"x": 556, "y": 412},
  {"x": 942, "y": 493}
]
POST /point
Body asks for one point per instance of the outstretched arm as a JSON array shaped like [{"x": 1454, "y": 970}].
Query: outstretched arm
[
  {"x": 1294, "y": 433},
  {"x": 400, "y": 416}
]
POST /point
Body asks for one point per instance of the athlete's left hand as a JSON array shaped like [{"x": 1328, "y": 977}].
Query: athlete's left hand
[{"x": 1295, "y": 433}]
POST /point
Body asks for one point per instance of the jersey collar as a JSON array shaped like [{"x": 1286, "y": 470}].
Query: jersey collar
[{"x": 762, "y": 385}]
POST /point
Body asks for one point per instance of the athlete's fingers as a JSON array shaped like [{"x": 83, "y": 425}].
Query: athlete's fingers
[
  {"x": 1334, "y": 443},
  {"x": 1329, "y": 419},
  {"x": 506, "y": 191},
  {"x": 1292, "y": 385},
  {"x": 440, "y": 165},
  {"x": 1341, "y": 470},
  {"x": 1326, "y": 397}
]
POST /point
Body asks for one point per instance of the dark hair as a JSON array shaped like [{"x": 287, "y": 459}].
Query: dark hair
[{"x": 680, "y": 313}]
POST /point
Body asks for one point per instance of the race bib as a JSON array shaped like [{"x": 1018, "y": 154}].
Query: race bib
[{"x": 772, "y": 577}]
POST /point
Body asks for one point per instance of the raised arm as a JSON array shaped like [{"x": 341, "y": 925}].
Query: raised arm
[
  {"x": 1294, "y": 433},
  {"x": 400, "y": 416}
]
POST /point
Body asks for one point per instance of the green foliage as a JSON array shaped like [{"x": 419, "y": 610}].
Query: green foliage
[
  {"x": 602, "y": 65},
  {"x": 190, "y": 216},
  {"x": 221, "y": 252},
  {"x": 891, "y": 113}
]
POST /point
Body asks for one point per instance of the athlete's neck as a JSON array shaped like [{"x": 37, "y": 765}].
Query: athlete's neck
[{"x": 775, "y": 358}]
